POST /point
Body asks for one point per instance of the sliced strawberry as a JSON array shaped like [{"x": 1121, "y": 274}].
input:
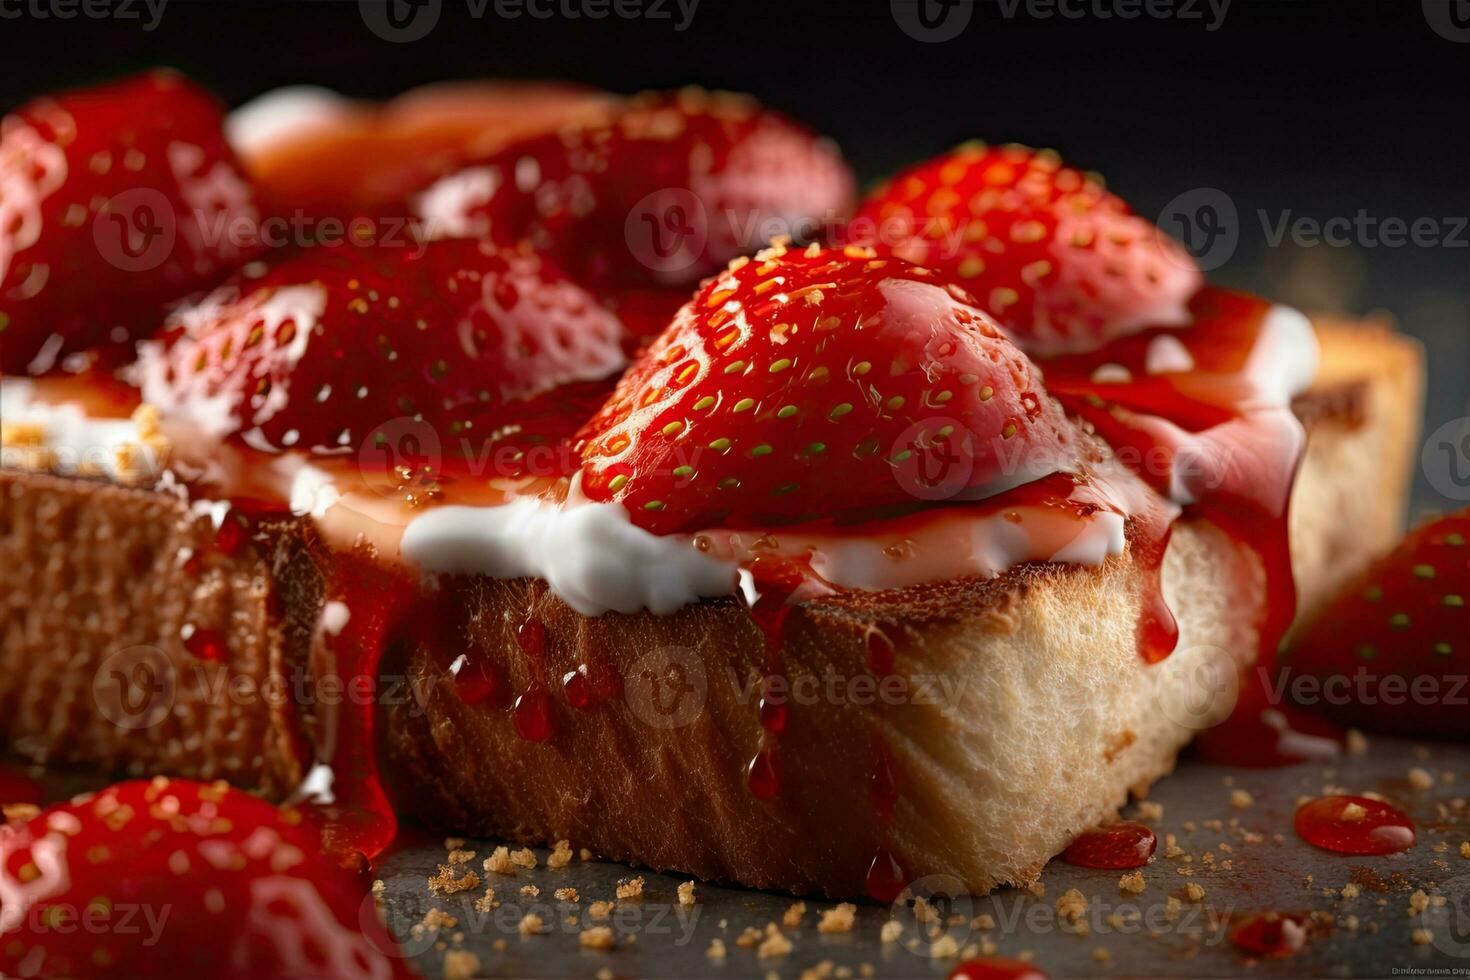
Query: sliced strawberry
[
  {"x": 1059, "y": 261},
  {"x": 666, "y": 192},
  {"x": 324, "y": 348},
  {"x": 114, "y": 201},
  {"x": 1392, "y": 652},
  {"x": 179, "y": 878},
  {"x": 820, "y": 382}
]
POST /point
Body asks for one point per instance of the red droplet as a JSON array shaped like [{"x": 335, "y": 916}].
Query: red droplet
[
  {"x": 1260, "y": 734},
  {"x": 763, "y": 776},
  {"x": 1271, "y": 934},
  {"x": 882, "y": 784},
  {"x": 774, "y": 710},
  {"x": 880, "y": 653},
  {"x": 1125, "y": 844},
  {"x": 479, "y": 682},
  {"x": 230, "y": 536},
  {"x": 886, "y": 879},
  {"x": 1354, "y": 825},
  {"x": 577, "y": 688},
  {"x": 1158, "y": 631},
  {"x": 533, "y": 716},
  {"x": 205, "y": 644},
  {"x": 531, "y": 636},
  {"x": 996, "y": 968}
]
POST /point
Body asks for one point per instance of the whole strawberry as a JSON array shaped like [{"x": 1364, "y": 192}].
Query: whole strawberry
[
  {"x": 319, "y": 351},
  {"x": 1045, "y": 249},
  {"x": 114, "y": 202},
  {"x": 179, "y": 878},
  {"x": 665, "y": 192},
  {"x": 1392, "y": 653},
  {"x": 816, "y": 383}
]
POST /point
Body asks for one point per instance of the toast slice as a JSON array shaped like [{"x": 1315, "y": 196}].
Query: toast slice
[{"x": 1022, "y": 714}]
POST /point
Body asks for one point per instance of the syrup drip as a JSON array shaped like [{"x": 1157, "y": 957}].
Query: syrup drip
[
  {"x": 1117, "y": 846},
  {"x": 534, "y": 714},
  {"x": 772, "y": 584},
  {"x": 1271, "y": 934},
  {"x": 883, "y": 782},
  {"x": 1354, "y": 825},
  {"x": 577, "y": 689},
  {"x": 479, "y": 681},
  {"x": 996, "y": 968},
  {"x": 886, "y": 878},
  {"x": 763, "y": 775}
]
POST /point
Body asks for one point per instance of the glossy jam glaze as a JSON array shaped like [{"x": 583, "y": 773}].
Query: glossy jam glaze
[{"x": 1122, "y": 845}]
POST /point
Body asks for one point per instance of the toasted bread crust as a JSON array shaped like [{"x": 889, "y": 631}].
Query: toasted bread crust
[{"x": 1048, "y": 720}]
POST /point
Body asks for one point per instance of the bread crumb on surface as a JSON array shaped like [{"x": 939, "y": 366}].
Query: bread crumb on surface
[
  {"x": 891, "y": 930},
  {"x": 449, "y": 882},
  {"x": 560, "y": 856},
  {"x": 597, "y": 937},
  {"x": 585, "y": 854},
  {"x": 454, "y": 843},
  {"x": 499, "y": 862},
  {"x": 461, "y": 964},
  {"x": 1418, "y": 902},
  {"x": 1240, "y": 799},
  {"x": 751, "y": 936},
  {"x": 487, "y": 902},
  {"x": 600, "y": 909},
  {"x": 1422, "y": 937},
  {"x": 1072, "y": 905},
  {"x": 839, "y": 919},
  {"x": 461, "y": 857},
  {"x": 566, "y": 895},
  {"x": 944, "y": 948},
  {"x": 524, "y": 858},
  {"x": 531, "y": 924},
  {"x": 1102, "y": 955},
  {"x": 632, "y": 888},
  {"x": 686, "y": 893},
  {"x": 1150, "y": 811},
  {"x": 1193, "y": 892},
  {"x": 1420, "y": 778},
  {"x": 794, "y": 914},
  {"x": 1132, "y": 883},
  {"x": 1465, "y": 849},
  {"x": 716, "y": 949},
  {"x": 775, "y": 944},
  {"x": 530, "y": 891},
  {"x": 1349, "y": 890}
]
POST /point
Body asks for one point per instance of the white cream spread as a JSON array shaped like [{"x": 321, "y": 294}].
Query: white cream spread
[{"x": 74, "y": 442}]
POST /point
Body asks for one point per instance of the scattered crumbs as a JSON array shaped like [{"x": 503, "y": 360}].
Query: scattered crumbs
[
  {"x": 1102, "y": 955},
  {"x": 560, "y": 856},
  {"x": 499, "y": 862},
  {"x": 380, "y": 888},
  {"x": 1465, "y": 849},
  {"x": 597, "y": 937},
  {"x": 944, "y": 948},
  {"x": 531, "y": 924},
  {"x": 1037, "y": 889},
  {"x": 1171, "y": 846},
  {"x": 524, "y": 858},
  {"x": 566, "y": 895},
  {"x": 449, "y": 882},
  {"x": 453, "y": 843},
  {"x": 500, "y": 945},
  {"x": 605, "y": 973},
  {"x": 487, "y": 902},
  {"x": 530, "y": 891},
  {"x": 1350, "y": 890},
  {"x": 461, "y": 857},
  {"x": 1132, "y": 883},
  {"x": 1420, "y": 778},
  {"x": 686, "y": 893},
  {"x": 750, "y": 937},
  {"x": 433, "y": 920},
  {"x": 1349, "y": 922},
  {"x": 775, "y": 944},
  {"x": 1072, "y": 905},
  {"x": 600, "y": 910},
  {"x": 1193, "y": 892},
  {"x": 1422, "y": 937},
  {"x": 983, "y": 921},
  {"x": 632, "y": 888},
  {"x": 461, "y": 964},
  {"x": 839, "y": 919},
  {"x": 793, "y": 915},
  {"x": 891, "y": 930},
  {"x": 1150, "y": 811},
  {"x": 716, "y": 949},
  {"x": 585, "y": 854},
  {"x": 1418, "y": 902},
  {"x": 1357, "y": 742},
  {"x": 1240, "y": 799}
]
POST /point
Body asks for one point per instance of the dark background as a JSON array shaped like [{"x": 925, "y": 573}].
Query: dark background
[{"x": 1293, "y": 109}]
